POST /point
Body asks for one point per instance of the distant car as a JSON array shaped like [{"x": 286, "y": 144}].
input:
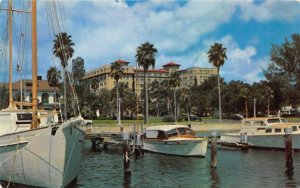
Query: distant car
[
  {"x": 192, "y": 118},
  {"x": 87, "y": 123},
  {"x": 237, "y": 117}
]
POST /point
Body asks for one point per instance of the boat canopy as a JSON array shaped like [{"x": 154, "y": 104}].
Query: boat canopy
[{"x": 164, "y": 127}]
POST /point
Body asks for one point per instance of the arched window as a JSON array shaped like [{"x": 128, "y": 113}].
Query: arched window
[
  {"x": 45, "y": 98},
  {"x": 30, "y": 97},
  {"x": 56, "y": 97}
]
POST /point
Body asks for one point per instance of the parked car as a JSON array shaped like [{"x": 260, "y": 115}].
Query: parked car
[
  {"x": 87, "y": 123},
  {"x": 192, "y": 118},
  {"x": 237, "y": 117}
]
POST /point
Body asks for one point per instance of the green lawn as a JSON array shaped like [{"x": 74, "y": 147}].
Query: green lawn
[{"x": 155, "y": 120}]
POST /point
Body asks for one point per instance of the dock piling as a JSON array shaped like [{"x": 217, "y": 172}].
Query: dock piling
[
  {"x": 288, "y": 147},
  {"x": 126, "y": 159},
  {"x": 213, "y": 162}
]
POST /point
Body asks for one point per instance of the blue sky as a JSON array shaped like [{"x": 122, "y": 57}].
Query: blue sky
[{"x": 182, "y": 31}]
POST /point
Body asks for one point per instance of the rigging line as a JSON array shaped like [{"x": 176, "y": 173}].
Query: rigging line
[
  {"x": 50, "y": 23},
  {"x": 61, "y": 15},
  {"x": 69, "y": 159},
  {"x": 29, "y": 142}
]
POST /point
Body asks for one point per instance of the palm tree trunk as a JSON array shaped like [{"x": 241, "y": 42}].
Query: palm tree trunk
[
  {"x": 220, "y": 107},
  {"x": 146, "y": 99},
  {"x": 118, "y": 107},
  {"x": 175, "y": 105},
  {"x": 189, "y": 110},
  {"x": 246, "y": 107},
  {"x": 65, "y": 94},
  {"x": 268, "y": 107}
]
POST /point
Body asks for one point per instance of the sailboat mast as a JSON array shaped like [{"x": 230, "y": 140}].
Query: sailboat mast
[
  {"x": 10, "y": 52},
  {"x": 34, "y": 65}
]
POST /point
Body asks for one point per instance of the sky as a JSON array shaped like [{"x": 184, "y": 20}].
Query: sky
[{"x": 182, "y": 32}]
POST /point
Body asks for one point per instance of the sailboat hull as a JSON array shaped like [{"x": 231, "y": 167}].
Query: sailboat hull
[{"x": 44, "y": 157}]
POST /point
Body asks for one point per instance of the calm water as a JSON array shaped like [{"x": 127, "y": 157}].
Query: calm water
[{"x": 254, "y": 168}]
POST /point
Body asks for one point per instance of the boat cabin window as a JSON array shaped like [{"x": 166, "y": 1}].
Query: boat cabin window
[
  {"x": 284, "y": 120},
  {"x": 161, "y": 135},
  {"x": 24, "y": 116},
  {"x": 247, "y": 123},
  {"x": 172, "y": 132},
  {"x": 273, "y": 120},
  {"x": 278, "y": 130},
  {"x": 259, "y": 123},
  {"x": 182, "y": 131},
  {"x": 268, "y": 130},
  {"x": 295, "y": 128},
  {"x": 151, "y": 134},
  {"x": 190, "y": 132}
]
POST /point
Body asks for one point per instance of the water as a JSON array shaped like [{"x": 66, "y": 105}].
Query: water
[{"x": 235, "y": 168}]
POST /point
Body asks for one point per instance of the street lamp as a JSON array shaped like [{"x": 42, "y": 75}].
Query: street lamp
[{"x": 254, "y": 110}]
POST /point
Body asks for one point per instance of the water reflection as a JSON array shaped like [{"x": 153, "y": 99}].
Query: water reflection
[{"x": 214, "y": 178}]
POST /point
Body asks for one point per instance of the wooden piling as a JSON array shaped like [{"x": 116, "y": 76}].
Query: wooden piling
[
  {"x": 126, "y": 161},
  {"x": 213, "y": 162},
  {"x": 288, "y": 147},
  {"x": 244, "y": 141}
]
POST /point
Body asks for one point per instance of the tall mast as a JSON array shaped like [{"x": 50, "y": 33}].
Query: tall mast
[
  {"x": 10, "y": 53},
  {"x": 34, "y": 65}
]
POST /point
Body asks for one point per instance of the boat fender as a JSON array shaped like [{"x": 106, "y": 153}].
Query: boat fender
[{"x": 53, "y": 130}]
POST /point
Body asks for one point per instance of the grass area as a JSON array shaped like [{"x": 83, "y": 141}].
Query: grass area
[
  {"x": 155, "y": 120},
  {"x": 152, "y": 120}
]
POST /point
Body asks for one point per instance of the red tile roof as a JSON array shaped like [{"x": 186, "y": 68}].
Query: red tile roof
[
  {"x": 152, "y": 70},
  {"x": 121, "y": 61},
  {"x": 42, "y": 85},
  {"x": 171, "y": 64}
]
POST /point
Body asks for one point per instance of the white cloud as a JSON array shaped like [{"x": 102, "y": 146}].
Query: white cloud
[
  {"x": 270, "y": 10},
  {"x": 104, "y": 31},
  {"x": 108, "y": 28},
  {"x": 242, "y": 63}
]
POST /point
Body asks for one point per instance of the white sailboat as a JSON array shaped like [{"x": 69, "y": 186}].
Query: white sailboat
[{"x": 35, "y": 148}]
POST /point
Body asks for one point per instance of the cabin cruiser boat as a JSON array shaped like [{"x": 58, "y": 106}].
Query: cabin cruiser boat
[
  {"x": 263, "y": 133},
  {"x": 174, "y": 140}
]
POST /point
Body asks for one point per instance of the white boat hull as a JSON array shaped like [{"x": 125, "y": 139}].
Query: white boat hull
[
  {"x": 42, "y": 157},
  {"x": 184, "y": 147},
  {"x": 259, "y": 141}
]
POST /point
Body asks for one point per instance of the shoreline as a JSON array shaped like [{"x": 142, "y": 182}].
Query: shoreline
[{"x": 198, "y": 127}]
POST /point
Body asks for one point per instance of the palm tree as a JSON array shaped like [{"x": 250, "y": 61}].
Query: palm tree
[
  {"x": 174, "y": 82},
  {"x": 145, "y": 57},
  {"x": 244, "y": 92},
  {"x": 62, "y": 48},
  {"x": 94, "y": 84},
  {"x": 186, "y": 95},
  {"x": 53, "y": 77},
  {"x": 116, "y": 72},
  {"x": 217, "y": 57}
]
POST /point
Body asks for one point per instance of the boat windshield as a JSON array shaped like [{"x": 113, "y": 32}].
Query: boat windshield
[
  {"x": 172, "y": 132},
  {"x": 185, "y": 131},
  {"x": 276, "y": 120}
]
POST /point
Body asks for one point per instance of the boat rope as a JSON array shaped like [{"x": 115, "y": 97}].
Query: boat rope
[
  {"x": 29, "y": 143},
  {"x": 69, "y": 159},
  {"x": 50, "y": 152},
  {"x": 14, "y": 162},
  {"x": 57, "y": 24}
]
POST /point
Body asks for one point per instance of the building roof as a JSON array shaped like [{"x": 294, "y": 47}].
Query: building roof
[
  {"x": 121, "y": 62},
  {"x": 27, "y": 84},
  {"x": 152, "y": 70},
  {"x": 171, "y": 64}
]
